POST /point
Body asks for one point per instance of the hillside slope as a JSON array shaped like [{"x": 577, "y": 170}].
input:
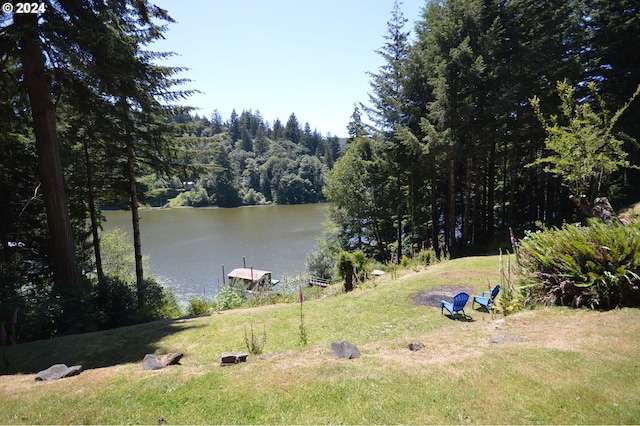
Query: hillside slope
[{"x": 543, "y": 366}]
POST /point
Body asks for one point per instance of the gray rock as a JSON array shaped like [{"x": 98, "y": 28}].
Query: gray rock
[
  {"x": 231, "y": 358},
  {"x": 150, "y": 362},
  {"x": 171, "y": 359},
  {"x": 58, "y": 371},
  {"x": 158, "y": 362},
  {"x": 344, "y": 350},
  {"x": 416, "y": 346}
]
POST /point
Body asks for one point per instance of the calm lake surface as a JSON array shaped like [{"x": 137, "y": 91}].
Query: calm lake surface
[{"x": 188, "y": 246}]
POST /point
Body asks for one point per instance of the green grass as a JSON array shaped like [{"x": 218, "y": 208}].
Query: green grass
[{"x": 571, "y": 366}]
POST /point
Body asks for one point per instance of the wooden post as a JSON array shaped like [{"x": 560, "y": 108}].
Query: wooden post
[{"x": 223, "y": 281}]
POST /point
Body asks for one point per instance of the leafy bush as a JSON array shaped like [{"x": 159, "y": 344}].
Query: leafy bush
[
  {"x": 252, "y": 197},
  {"x": 197, "y": 197},
  {"x": 116, "y": 302},
  {"x": 596, "y": 266},
  {"x": 39, "y": 314},
  {"x": 118, "y": 259},
  {"x": 160, "y": 303},
  {"x": 344, "y": 266},
  {"x": 427, "y": 257},
  {"x": 360, "y": 265},
  {"x": 199, "y": 306},
  {"x": 321, "y": 264},
  {"x": 227, "y": 299},
  {"x": 117, "y": 299}
]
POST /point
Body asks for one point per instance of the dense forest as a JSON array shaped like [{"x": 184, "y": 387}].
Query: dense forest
[
  {"x": 459, "y": 142},
  {"x": 246, "y": 161},
  {"x": 453, "y": 147}
]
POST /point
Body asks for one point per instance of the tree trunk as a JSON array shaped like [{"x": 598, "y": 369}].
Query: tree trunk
[
  {"x": 384, "y": 252},
  {"x": 135, "y": 221},
  {"x": 133, "y": 198},
  {"x": 450, "y": 236},
  {"x": 468, "y": 199},
  {"x": 93, "y": 215},
  {"x": 491, "y": 189},
  {"x": 348, "y": 280},
  {"x": 65, "y": 265},
  {"x": 399, "y": 231},
  {"x": 599, "y": 208},
  {"x": 435, "y": 216}
]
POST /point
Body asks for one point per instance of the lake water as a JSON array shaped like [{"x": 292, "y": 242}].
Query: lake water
[{"x": 187, "y": 247}]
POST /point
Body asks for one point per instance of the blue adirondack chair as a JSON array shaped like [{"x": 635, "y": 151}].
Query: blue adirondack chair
[
  {"x": 459, "y": 300},
  {"x": 486, "y": 299}
]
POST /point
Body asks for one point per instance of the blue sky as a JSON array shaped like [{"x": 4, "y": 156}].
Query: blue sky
[{"x": 310, "y": 57}]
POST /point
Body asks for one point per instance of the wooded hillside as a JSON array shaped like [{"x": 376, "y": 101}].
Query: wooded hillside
[{"x": 246, "y": 160}]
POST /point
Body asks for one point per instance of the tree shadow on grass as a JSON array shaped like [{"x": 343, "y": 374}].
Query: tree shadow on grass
[{"x": 93, "y": 350}]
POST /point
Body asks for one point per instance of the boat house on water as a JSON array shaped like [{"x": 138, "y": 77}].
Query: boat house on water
[{"x": 252, "y": 279}]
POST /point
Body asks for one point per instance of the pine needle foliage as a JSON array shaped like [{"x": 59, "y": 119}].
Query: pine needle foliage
[{"x": 597, "y": 266}]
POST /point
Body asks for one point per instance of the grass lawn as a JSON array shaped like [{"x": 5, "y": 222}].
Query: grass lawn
[{"x": 553, "y": 365}]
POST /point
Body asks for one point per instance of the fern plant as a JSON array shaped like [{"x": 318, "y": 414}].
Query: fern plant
[{"x": 596, "y": 265}]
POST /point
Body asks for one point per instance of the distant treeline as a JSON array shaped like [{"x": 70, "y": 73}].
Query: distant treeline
[{"x": 245, "y": 160}]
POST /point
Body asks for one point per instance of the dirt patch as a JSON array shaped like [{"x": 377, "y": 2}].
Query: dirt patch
[{"x": 433, "y": 297}]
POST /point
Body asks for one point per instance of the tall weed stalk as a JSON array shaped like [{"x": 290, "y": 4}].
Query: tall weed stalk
[
  {"x": 302, "y": 330},
  {"x": 255, "y": 344},
  {"x": 510, "y": 295}
]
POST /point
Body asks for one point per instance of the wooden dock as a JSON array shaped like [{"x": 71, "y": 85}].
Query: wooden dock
[{"x": 320, "y": 282}]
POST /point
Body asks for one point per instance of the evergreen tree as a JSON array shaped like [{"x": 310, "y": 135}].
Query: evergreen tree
[
  {"x": 107, "y": 80},
  {"x": 307, "y": 138},
  {"x": 38, "y": 86},
  {"x": 388, "y": 100},
  {"x": 613, "y": 62},
  {"x": 216, "y": 122},
  {"x": 234, "y": 126},
  {"x": 292, "y": 129},
  {"x": 356, "y": 127},
  {"x": 278, "y": 130}
]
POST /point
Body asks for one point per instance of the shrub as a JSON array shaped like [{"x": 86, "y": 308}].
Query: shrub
[
  {"x": 160, "y": 303},
  {"x": 321, "y": 264},
  {"x": 252, "y": 197},
  {"x": 116, "y": 302},
  {"x": 427, "y": 257},
  {"x": 227, "y": 299},
  {"x": 360, "y": 263},
  {"x": 38, "y": 314},
  {"x": 118, "y": 259},
  {"x": 344, "y": 265},
  {"x": 199, "y": 306},
  {"x": 596, "y": 266}
]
